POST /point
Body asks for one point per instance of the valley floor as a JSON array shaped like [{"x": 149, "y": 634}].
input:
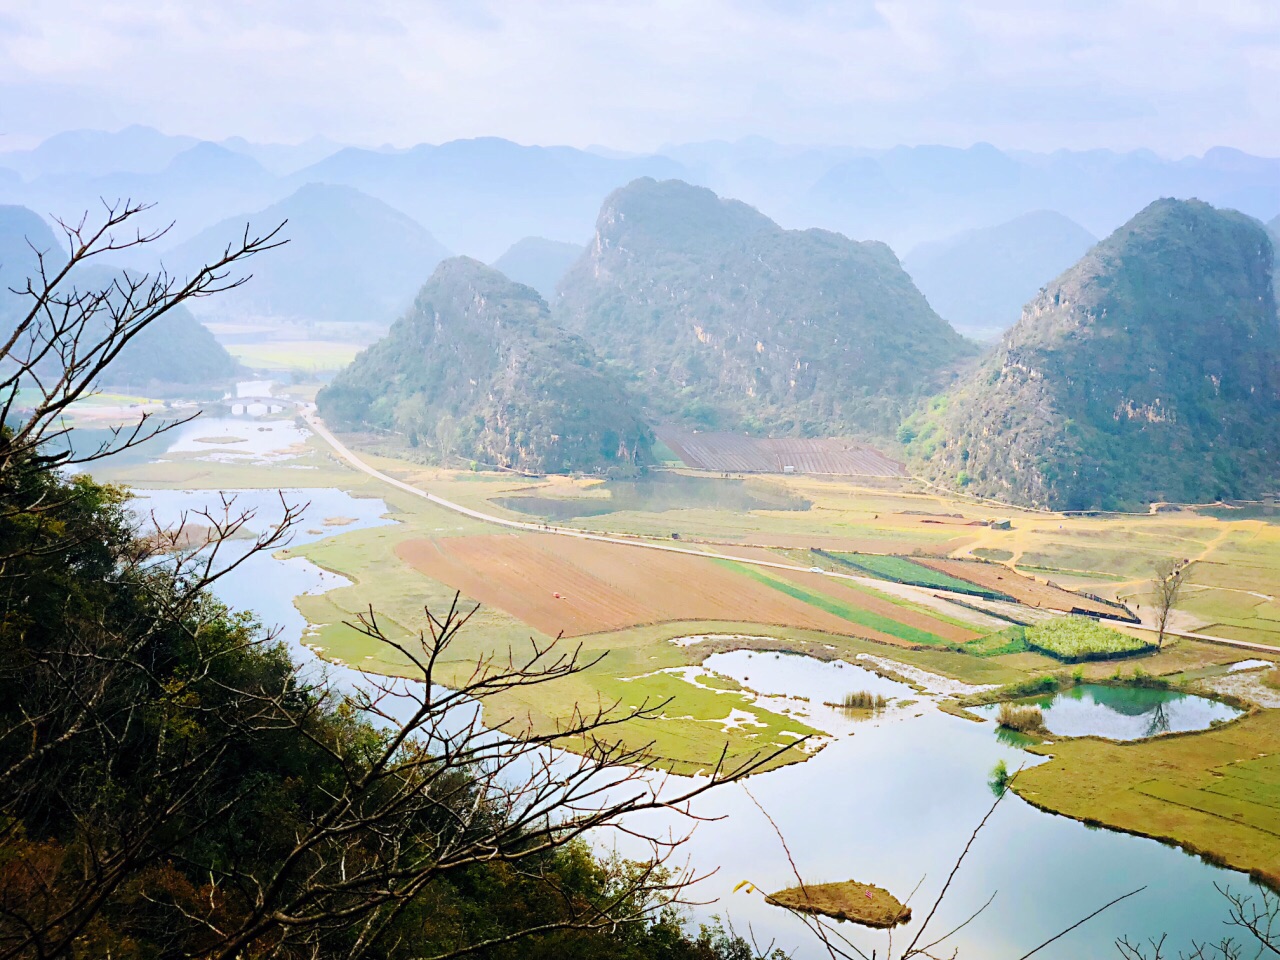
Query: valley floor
[{"x": 626, "y": 578}]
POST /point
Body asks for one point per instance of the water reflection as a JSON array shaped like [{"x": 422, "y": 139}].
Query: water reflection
[
  {"x": 892, "y": 802},
  {"x": 1122, "y": 713},
  {"x": 657, "y": 493}
]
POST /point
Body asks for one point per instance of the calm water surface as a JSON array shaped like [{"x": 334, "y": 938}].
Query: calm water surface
[
  {"x": 1123, "y": 713},
  {"x": 890, "y": 800},
  {"x": 657, "y": 493}
]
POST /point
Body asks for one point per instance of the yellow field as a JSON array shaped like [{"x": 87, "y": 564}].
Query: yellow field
[{"x": 306, "y": 356}]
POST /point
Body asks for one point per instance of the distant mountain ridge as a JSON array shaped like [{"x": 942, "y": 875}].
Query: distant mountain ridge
[
  {"x": 729, "y": 321},
  {"x": 482, "y": 195},
  {"x": 539, "y": 263},
  {"x": 979, "y": 280},
  {"x": 349, "y": 258},
  {"x": 1148, "y": 371},
  {"x": 478, "y": 370},
  {"x": 174, "y": 350}
]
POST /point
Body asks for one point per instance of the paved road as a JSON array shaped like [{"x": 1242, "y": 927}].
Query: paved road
[
  {"x": 351, "y": 458},
  {"x": 341, "y": 449}
]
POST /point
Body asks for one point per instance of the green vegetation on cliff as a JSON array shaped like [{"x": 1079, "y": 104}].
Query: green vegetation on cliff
[
  {"x": 477, "y": 369},
  {"x": 1148, "y": 371},
  {"x": 730, "y": 321}
]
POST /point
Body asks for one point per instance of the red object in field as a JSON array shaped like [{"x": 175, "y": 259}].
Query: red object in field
[{"x": 557, "y": 596}]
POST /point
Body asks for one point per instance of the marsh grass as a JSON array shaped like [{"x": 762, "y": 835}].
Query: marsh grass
[
  {"x": 863, "y": 700},
  {"x": 1024, "y": 718},
  {"x": 862, "y": 903}
]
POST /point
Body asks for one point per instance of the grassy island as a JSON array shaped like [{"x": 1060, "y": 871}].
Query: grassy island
[{"x": 862, "y": 903}]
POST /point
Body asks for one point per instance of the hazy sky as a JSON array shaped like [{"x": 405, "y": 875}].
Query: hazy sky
[{"x": 1174, "y": 75}]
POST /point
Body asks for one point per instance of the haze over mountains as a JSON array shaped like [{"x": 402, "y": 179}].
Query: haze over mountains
[
  {"x": 709, "y": 312},
  {"x": 1148, "y": 371},
  {"x": 349, "y": 258},
  {"x": 173, "y": 350},
  {"x": 478, "y": 197},
  {"x": 539, "y": 263},
  {"x": 978, "y": 280}
]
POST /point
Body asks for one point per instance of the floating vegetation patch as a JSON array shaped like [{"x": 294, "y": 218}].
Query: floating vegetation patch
[
  {"x": 862, "y": 903},
  {"x": 861, "y": 700}
]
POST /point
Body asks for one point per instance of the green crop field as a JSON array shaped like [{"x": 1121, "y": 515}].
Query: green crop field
[
  {"x": 902, "y": 570},
  {"x": 841, "y": 608},
  {"x": 1073, "y": 639}
]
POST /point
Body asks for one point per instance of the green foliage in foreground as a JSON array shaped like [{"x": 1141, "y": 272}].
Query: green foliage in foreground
[
  {"x": 1073, "y": 639},
  {"x": 165, "y": 771}
]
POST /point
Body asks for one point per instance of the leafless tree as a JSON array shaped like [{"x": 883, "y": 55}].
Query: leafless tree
[
  {"x": 1167, "y": 585},
  {"x": 838, "y": 945},
  {"x": 1256, "y": 914},
  {"x": 66, "y": 336},
  {"x": 434, "y": 784}
]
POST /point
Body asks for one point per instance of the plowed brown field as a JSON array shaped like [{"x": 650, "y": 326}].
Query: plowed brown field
[
  {"x": 1033, "y": 593},
  {"x": 605, "y": 586}
]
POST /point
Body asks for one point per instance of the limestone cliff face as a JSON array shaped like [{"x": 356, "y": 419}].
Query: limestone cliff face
[
  {"x": 728, "y": 320},
  {"x": 476, "y": 369},
  {"x": 1148, "y": 371}
]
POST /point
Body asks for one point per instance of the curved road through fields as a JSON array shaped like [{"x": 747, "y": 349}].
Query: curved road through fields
[{"x": 317, "y": 425}]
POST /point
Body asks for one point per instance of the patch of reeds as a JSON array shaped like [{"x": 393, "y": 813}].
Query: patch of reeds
[
  {"x": 1024, "y": 718},
  {"x": 863, "y": 700}
]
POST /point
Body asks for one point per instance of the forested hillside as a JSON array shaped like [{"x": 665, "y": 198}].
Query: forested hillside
[
  {"x": 729, "y": 321},
  {"x": 176, "y": 350},
  {"x": 1148, "y": 371},
  {"x": 478, "y": 370}
]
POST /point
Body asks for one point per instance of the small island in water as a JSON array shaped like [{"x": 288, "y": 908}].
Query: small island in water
[{"x": 862, "y": 903}]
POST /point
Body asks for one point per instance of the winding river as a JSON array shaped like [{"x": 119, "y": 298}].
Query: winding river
[{"x": 890, "y": 800}]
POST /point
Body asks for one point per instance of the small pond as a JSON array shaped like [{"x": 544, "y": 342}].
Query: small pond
[
  {"x": 657, "y": 493},
  {"x": 1122, "y": 713}
]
